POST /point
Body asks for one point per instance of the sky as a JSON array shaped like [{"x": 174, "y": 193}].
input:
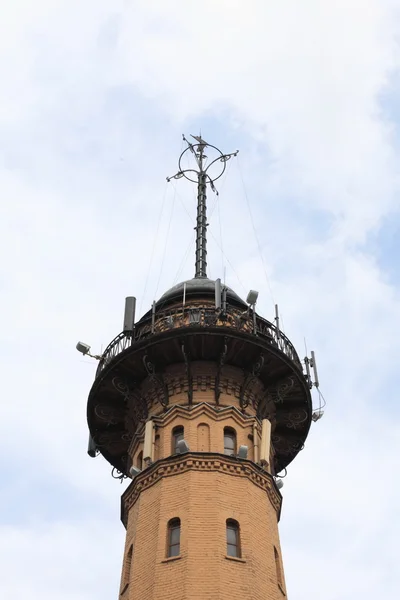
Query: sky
[{"x": 94, "y": 99}]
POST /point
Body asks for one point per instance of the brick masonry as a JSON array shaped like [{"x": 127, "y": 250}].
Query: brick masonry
[{"x": 203, "y": 493}]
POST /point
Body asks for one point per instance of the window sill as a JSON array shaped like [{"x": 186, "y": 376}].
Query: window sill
[
  {"x": 124, "y": 589},
  {"x": 171, "y": 558},
  {"x": 235, "y": 559},
  {"x": 282, "y": 590}
]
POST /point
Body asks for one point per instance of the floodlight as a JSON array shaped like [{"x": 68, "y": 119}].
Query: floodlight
[
  {"x": 252, "y": 297},
  {"x": 279, "y": 483},
  {"x": 182, "y": 447},
  {"x": 92, "y": 448},
  {"x": 243, "y": 450},
  {"x": 83, "y": 348}
]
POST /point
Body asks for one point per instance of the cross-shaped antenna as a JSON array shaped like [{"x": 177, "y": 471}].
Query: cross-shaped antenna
[{"x": 201, "y": 176}]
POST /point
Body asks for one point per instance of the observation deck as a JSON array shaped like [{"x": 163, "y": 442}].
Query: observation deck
[{"x": 174, "y": 333}]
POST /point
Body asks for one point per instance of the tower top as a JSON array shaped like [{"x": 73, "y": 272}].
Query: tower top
[
  {"x": 198, "y": 322},
  {"x": 200, "y": 174}
]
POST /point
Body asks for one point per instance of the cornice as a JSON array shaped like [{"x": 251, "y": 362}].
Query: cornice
[
  {"x": 215, "y": 413},
  {"x": 204, "y": 408},
  {"x": 199, "y": 461}
]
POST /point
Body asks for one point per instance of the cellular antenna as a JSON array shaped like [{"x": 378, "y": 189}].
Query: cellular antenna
[
  {"x": 200, "y": 175},
  {"x": 184, "y": 295},
  {"x": 218, "y": 296},
  {"x": 278, "y": 334},
  {"x": 129, "y": 314},
  {"x": 313, "y": 365},
  {"x": 153, "y": 316},
  {"x": 307, "y": 365}
]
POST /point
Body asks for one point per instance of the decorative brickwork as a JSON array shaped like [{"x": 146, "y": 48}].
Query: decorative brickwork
[
  {"x": 203, "y": 492},
  {"x": 201, "y": 402},
  {"x": 197, "y": 461},
  {"x": 215, "y": 418}
]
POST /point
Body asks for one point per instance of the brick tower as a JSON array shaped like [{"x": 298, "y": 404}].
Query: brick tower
[{"x": 201, "y": 403}]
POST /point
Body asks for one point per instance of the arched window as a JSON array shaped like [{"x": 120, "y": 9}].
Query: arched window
[
  {"x": 127, "y": 567},
  {"x": 174, "y": 538},
  {"x": 139, "y": 461},
  {"x": 229, "y": 441},
  {"x": 177, "y": 435},
  {"x": 233, "y": 538},
  {"x": 278, "y": 568}
]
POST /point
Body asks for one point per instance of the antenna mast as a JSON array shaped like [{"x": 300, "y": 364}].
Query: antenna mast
[{"x": 201, "y": 176}]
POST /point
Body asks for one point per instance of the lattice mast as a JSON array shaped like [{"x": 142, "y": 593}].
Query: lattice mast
[{"x": 202, "y": 177}]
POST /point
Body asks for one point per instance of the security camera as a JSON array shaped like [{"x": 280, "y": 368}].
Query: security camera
[
  {"x": 317, "y": 415},
  {"x": 279, "y": 483},
  {"x": 83, "y": 348},
  {"x": 243, "y": 450}
]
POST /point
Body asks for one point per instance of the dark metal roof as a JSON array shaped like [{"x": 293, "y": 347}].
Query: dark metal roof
[{"x": 200, "y": 287}]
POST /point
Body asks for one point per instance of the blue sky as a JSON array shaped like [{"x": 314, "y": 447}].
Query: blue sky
[{"x": 94, "y": 100}]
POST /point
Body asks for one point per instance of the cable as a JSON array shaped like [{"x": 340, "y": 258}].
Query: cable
[
  {"x": 283, "y": 324},
  {"x": 255, "y": 231},
  {"x": 281, "y": 476},
  {"x": 220, "y": 237},
  {"x": 166, "y": 243},
  {"x": 218, "y": 202},
  {"x": 183, "y": 262},
  {"x": 153, "y": 248},
  {"x": 218, "y": 196},
  {"x": 191, "y": 243},
  {"x": 320, "y": 395},
  {"x": 229, "y": 262},
  {"x": 177, "y": 194}
]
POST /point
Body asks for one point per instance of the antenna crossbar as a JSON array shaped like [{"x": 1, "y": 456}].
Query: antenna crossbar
[{"x": 201, "y": 176}]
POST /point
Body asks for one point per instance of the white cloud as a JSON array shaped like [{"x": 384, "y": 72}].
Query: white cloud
[{"x": 93, "y": 102}]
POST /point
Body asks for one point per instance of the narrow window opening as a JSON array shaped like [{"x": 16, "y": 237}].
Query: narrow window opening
[
  {"x": 233, "y": 539},
  {"x": 139, "y": 461},
  {"x": 229, "y": 441},
  {"x": 278, "y": 568},
  {"x": 174, "y": 538},
  {"x": 128, "y": 565},
  {"x": 177, "y": 436}
]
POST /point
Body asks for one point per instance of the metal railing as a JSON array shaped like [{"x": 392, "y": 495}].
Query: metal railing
[{"x": 200, "y": 316}]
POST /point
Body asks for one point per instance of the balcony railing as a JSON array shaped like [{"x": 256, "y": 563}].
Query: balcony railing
[{"x": 200, "y": 316}]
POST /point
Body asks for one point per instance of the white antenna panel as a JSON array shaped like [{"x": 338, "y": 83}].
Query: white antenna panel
[
  {"x": 314, "y": 368},
  {"x": 129, "y": 316},
  {"x": 218, "y": 293}
]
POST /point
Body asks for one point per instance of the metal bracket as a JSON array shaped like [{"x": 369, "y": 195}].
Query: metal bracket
[
  {"x": 139, "y": 404},
  {"x": 158, "y": 379},
  {"x": 250, "y": 378},
  {"x": 111, "y": 415},
  {"x": 188, "y": 373},
  {"x": 221, "y": 362},
  {"x": 117, "y": 474},
  {"x": 283, "y": 389}
]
